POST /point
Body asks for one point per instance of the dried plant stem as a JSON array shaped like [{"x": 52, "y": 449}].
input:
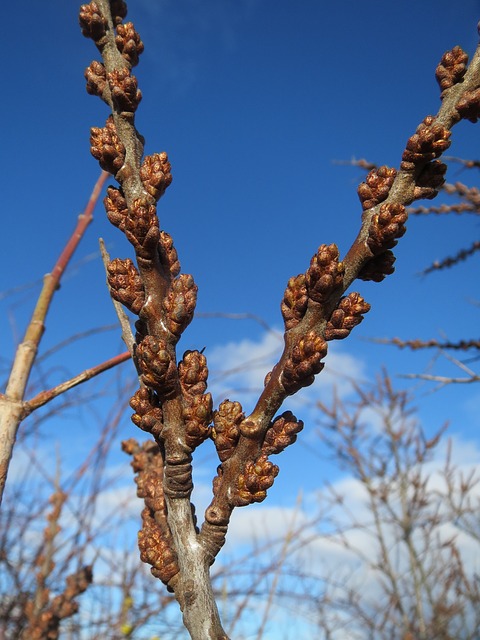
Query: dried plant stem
[
  {"x": 11, "y": 404},
  {"x": 44, "y": 397}
]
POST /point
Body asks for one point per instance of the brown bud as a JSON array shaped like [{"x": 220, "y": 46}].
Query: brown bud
[
  {"x": 155, "y": 174},
  {"x": 155, "y": 550},
  {"x": 106, "y": 147},
  {"x": 348, "y": 314},
  {"x": 253, "y": 483},
  {"x": 305, "y": 362},
  {"x": 468, "y": 106},
  {"x": 126, "y": 95},
  {"x": 378, "y": 267},
  {"x": 180, "y": 303},
  {"x": 428, "y": 143},
  {"x": 157, "y": 366},
  {"x": 193, "y": 373},
  {"x": 325, "y": 273},
  {"x": 168, "y": 254},
  {"x": 92, "y": 22},
  {"x": 125, "y": 284},
  {"x": 141, "y": 228},
  {"x": 95, "y": 76},
  {"x": 148, "y": 415},
  {"x": 295, "y": 301},
  {"x": 116, "y": 207},
  {"x": 128, "y": 43},
  {"x": 430, "y": 180},
  {"x": 376, "y": 186},
  {"x": 281, "y": 433},
  {"x": 198, "y": 416},
  {"x": 451, "y": 68},
  {"x": 386, "y": 227},
  {"x": 225, "y": 432}
]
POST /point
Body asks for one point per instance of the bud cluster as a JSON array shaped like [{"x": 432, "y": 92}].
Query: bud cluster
[
  {"x": 148, "y": 414},
  {"x": 305, "y": 362},
  {"x": 106, "y": 147},
  {"x": 193, "y": 374},
  {"x": 225, "y": 432},
  {"x": 347, "y": 315},
  {"x": 428, "y": 142},
  {"x": 157, "y": 366},
  {"x": 451, "y": 69},
  {"x": 125, "y": 284},
  {"x": 376, "y": 187},
  {"x": 325, "y": 273},
  {"x": 252, "y": 484},
  {"x": 281, "y": 433},
  {"x": 295, "y": 301}
]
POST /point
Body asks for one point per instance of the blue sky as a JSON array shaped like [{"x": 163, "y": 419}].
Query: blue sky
[{"x": 254, "y": 100}]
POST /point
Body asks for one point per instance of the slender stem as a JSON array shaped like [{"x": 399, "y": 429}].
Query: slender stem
[{"x": 11, "y": 404}]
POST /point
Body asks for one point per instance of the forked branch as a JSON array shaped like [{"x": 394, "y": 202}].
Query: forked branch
[{"x": 171, "y": 403}]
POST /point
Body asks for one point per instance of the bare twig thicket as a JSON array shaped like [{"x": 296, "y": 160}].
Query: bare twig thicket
[
  {"x": 408, "y": 548},
  {"x": 172, "y": 403}
]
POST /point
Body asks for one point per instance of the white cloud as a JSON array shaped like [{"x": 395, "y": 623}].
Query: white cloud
[{"x": 238, "y": 370}]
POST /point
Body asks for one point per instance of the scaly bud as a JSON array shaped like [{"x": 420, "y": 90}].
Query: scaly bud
[
  {"x": 92, "y": 22},
  {"x": 387, "y": 226},
  {"x": 106, "y": 147},
  {"x": 281, "y": 433},
  {"x": 225, "y": 432},
  {"x": 295, "y": 301},
  {"x": 180, "y": 303},
  {"x": 157, "y": 366},
  {"x": 305, "y": 362},
  {"x": 126, "y": 95},
  {"x": 325, "y": 273},
  {"x": 125, "y": 284},
  {"x": 378, "y": 267},
  {"x": 148, "y": 415},
  {"x": 347, "y": 315},
  {"x": 96, "y": 78},
  {"x": 253, "y": 483},
  {"x": 428, "y": 142},
  {"x": 116, "y": 207},
  {"x": 451, "y": 68},
  {"x": 155, "y": 173},
  {"x": 128, "y": 43},
  {"x": 376, "y": 186}
]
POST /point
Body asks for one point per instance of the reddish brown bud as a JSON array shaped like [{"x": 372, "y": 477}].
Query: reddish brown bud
[
  {"x": 376, "y": 186},
  {"x": 155, "y": 174},
  {"x": 253, "y": 483},
  {"x": 155, "y": 550},
  {"x": 95, "y": 76},
  {"x": 148, "y": 415},
  {"x": 157, "y": 366},
  {"x": 348, "y": 314},
  {"x": 92, "y": 22},
  {"x": 106, "y": 147},
  {"x": 451, "y": 68},
  {"x": 198, "y": 416},
  {"x": 378, "y": 267},
  {"x": 116, "y": 207},
  {"x": 281, "y": 433},
  {"x": 295, "y": 301},
  {"x": 428, "y": 143},
  {"x": 305, "y": 362},
  {"x": 325, "y": 273},
  {"x": 168, "y": 254},
  {"x": 180, "y": 303},
  {"x": 125, "y": 284},
  {"x": 141, "y": 228},
  {"x": 128, "y": 43},
  {"x": 468, "y": 106},
  {"x": 126, "y": 95},
  {"x": 193, "y": 372},
  {"x": 225, "y": 432},
  {"x": 386, "y": 227},
  {"x": 430, "y": 180}
]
